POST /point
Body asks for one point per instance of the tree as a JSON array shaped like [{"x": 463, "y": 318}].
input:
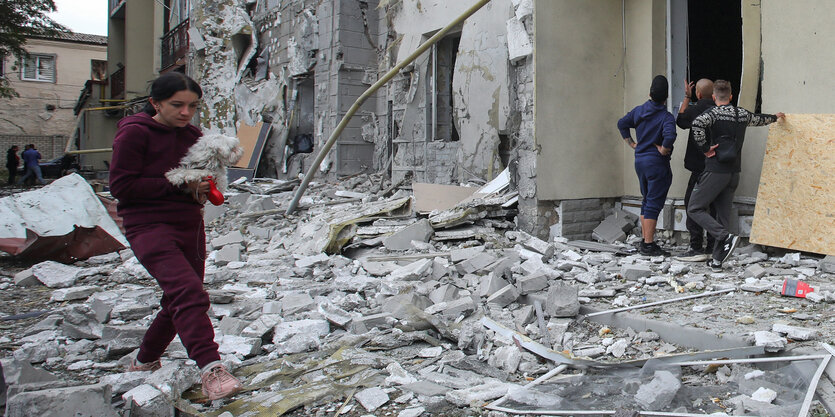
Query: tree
[{"x": 22, "y": 19}]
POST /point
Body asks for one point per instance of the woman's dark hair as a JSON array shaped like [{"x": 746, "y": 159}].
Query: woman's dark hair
[{"x": 168, "y": 84}]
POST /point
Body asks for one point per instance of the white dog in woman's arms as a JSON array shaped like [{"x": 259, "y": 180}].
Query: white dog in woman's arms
[{"x": 208, "y": 157}]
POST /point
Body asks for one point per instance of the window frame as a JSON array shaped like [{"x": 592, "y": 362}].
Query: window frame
[{"x": 38, "y": 56}]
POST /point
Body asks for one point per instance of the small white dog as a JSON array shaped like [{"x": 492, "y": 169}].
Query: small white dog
[{"x": 208, "y": 157}]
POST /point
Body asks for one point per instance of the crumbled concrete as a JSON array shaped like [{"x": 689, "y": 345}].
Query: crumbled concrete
[
  {"x": 562, "y": 301},
  {"x": 635, "y": 272},
  {"x": 234, "y": 237},
  {"x": 772, "y": 342},
  {"x": 658, "y": 393},
  {"x": 145, "y": 400},
  {"x": 794, "y": 332},
  {"x": 402, "y": 239},
  {"x": 56, "y": 275}
]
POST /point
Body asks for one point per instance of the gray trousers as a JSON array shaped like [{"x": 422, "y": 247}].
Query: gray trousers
[{"x": 715, "y": 188}]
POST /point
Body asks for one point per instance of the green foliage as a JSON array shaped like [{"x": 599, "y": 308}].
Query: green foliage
[{"x": 21, "y": 19}]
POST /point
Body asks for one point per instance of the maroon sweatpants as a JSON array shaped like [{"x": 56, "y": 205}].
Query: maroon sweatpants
[{"x": 174, "y": 254}]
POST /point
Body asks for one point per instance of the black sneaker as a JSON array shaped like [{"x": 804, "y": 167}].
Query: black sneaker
[
  {"x": 652, "y": 249},
  {"x": 714, "y": 265},
  {"x": 725, "y": 248},
  {"x": 693, "y": 255}
]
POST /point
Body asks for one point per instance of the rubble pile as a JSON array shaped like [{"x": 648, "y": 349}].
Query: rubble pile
[{"x": 355, "y": 305}]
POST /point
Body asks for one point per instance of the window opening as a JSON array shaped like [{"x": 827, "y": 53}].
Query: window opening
[
  {"x": 714, "y": 34},
  {"x": 38, "y": 68}
]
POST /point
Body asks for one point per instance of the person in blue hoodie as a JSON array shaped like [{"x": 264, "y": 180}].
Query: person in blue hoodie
[{"x": 655, "y": 128}]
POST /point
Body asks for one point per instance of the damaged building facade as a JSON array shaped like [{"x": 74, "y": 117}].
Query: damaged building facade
[{"x": 483, "y": 98}]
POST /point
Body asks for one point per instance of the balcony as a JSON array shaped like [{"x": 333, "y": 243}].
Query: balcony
[
  {"x": 117, "y": 84},
  {"x": 174, "y": 46}
]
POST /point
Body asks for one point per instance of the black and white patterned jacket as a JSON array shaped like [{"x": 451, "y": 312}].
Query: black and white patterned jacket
[{"x": 720, "y": 120}]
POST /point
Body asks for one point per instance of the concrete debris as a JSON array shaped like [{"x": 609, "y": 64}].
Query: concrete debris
[
  {"x": 397, "y": 317},
  {"x": 659, "y": 392},
  {"x": 81, "y": 401}
]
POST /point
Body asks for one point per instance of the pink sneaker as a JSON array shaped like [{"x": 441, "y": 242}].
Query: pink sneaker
[
  {"x": 218, "y": 383},
  {"x": 151, "y": 366}
]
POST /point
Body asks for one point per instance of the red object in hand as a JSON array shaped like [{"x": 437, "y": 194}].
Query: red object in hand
[{"x": 215, "y": 196}]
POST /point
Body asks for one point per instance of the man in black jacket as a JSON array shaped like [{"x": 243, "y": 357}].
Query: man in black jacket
[
  {"x": 694, "y": 161},
  {"x": 724, "y": 124}
]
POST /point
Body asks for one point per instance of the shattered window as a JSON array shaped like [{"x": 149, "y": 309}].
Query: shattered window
[{"x": 38, "y": 68}]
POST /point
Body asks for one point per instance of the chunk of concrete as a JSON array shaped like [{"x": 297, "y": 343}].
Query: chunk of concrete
[
  {"x": 402, "y": 240},
  {"x": 372, "y": 398},
  {"x": 464, "y": 305},
  {"x": 827, "y": 264},
  {"x": 562, "y": 301},
  {"x": 74, "y": 293},
  {"x": 765, "y": 395},
  {"x": 308, "y": 261},
  {"x": 658, "y": 393},
  {"x": 458, "y": 255},
  {"x": 120, "y": 340},
  {"x": 173, "y": 379},
  {"x": 532, "y": 283},
  {"x": 261, "y": 326},
  {"x": 772, "y": 342},
  {"x": 227, "y": 254},
  {"x": 794, "y": 332},
  {"x": 612, "y": 229},
  {"x": 242, "y": 347},
  {"x": 56, "y": 275},
  {"x": 533, "y": 398},
  {"x": 635, "y": 272},
  {"x": 476, "y": 263},
  {"x": 478, "y": 394},
  {"x": 147, "y": 401},
  {"x": 363, "y": 324},
  {"x": 26, "y": 278},
  {"x": 754, "y": 271},
  {"x": 125, "y": 381},
  {"x": 443, "y": 293},
  {"x": 297, "y": 302},
  {"x": 286, "y": 330},
  {"x": 491, "y": 283},
  {"x": 78, "y": 401},
  {"x": 505, "y": 296},
  {"x": 506, "y": 357},
  {"x": 412, "y": 272},
  {"x": 228, "y": 239}
]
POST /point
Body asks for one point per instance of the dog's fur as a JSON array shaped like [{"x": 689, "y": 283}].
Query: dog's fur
[{"x": 208, "y": 157}]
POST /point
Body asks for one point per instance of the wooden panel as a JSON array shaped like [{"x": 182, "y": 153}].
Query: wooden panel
[
  {"x": 252, "y": 142},
  {"x": 796, "y": 200}
]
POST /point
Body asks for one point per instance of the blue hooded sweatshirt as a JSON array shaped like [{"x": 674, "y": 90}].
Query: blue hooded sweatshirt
[{"x": 653, "y": 125}]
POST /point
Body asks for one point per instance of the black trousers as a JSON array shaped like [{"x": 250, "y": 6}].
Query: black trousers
[
  {"x": 697, "y": 232},
  {"x": 715, "y": 188}
]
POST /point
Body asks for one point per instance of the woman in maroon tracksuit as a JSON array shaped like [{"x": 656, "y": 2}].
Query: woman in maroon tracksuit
[{"x": 164, "y": 225}]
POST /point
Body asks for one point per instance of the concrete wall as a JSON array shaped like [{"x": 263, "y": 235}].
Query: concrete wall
[
  {"x": 579, "y": 97},
  {"x": 28, "y": 115},
  {"x": 143, "y": 31}
]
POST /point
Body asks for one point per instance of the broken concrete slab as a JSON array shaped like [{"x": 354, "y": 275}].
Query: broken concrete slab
[
  {"x": 56, "y": 275},
  {"x": 462, "y": 254},
  {"x": 411, "y": 272},
  {"x": 82, "y": 401},
  {"x": 228, "y": 239},
  {"x": 794, "y": 332},
  {"x": 26, "y": 278},
  {"x": 772, "y": 342},
  {"x": 123, "y": 382},
  {"x": 147, "y": 401},
  {"x": 562, "y": 301},
  {"x": 532, "y": 283},
  {"x": 505, "y": 296},
  {"x": 402, "y": 240},
  {"x": 74, "y": 293},
  {"x": 635, "y": 272},
  {"x": 372, "y": 398}
]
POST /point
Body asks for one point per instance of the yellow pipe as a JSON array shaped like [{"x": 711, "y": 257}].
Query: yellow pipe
[{"x": 344, "y": 122}]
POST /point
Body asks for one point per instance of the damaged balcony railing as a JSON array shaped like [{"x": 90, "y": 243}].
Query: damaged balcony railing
[{"x": 174, "y": 45}]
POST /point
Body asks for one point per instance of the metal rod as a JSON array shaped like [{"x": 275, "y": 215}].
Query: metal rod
[
  {"x": 750, "y": 360},
  {"x": 533, "y": 383},
  {"x": 590, "y": 412},
  {"x": 382, "y": 81},
  {"x": 813, "y": 385},
  {"x": 673, "y": 300}
]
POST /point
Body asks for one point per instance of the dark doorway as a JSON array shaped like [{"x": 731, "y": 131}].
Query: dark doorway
[{"x": 715, "y": 41}]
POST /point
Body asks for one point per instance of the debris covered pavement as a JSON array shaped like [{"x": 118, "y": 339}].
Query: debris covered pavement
[{"x": 355, "y": 305}]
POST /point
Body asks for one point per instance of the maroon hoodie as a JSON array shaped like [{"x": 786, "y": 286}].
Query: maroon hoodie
[{"x": 143, "y": 151}]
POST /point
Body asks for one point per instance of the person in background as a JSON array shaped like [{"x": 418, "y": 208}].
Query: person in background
[
  {"x": 31, "y": 158},
  {"x": 725, "y": 124},
  {"x": 656, "y": 131},
  {"x": 694, "y": 161},
  {"x": 12, "y": 162},
  {"x": 164, "y": 225}
]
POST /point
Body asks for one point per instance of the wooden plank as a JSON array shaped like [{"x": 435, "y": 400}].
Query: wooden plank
[
  {"x": 249, "y": 135},
  {"x": 796, "y": 200}
]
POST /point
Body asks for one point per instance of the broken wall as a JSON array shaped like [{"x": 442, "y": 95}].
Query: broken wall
[{"x": 478, "y": 102}]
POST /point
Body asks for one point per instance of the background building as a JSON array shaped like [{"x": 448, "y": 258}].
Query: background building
[{"x": 49, "y": 81}]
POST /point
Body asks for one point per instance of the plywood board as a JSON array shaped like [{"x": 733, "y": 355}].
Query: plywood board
[
  {"x": 430, "y": 197},
  {"x": 796, "y": 200},
  {"x": 249, "y": 137}
]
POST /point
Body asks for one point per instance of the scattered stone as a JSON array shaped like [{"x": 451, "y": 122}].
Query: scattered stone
[
  {"x": 635, "y": 272},
  {"x": 307, "y": 262},
  {"x": 794, "y": 332},
  {"x": 56, "y": 275},
  {"x": 74, "y": 293},
  {"x": 234, "y": 237},
  {"x": 772, "y": 342},
  {"x": 81, "y": 401},
  {"x": 505, "y": 296},
  {"x": 26, "y": 278},
  {"x": 145, "y": 400},
  {"x": 372, "y": 398},
  {"x": 402, "y": 240},
  {"x": 618, "y": 349},
  {"x": 658, "y": 393},
  {"x": 562, "y": 301},
  {"x": 477, "y": 395},
  {"x": 827, "y": 264},
  {"x": 764, "y": 395},
  {"x": 702, "y": 308},
  {"x": 754, "y": 271}
]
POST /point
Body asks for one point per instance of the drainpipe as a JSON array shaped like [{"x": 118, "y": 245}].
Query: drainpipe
[{"x": 344, "y": 122}]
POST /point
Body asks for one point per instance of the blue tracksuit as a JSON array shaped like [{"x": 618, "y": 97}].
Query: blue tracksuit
[{"x": 653, "y": 125}]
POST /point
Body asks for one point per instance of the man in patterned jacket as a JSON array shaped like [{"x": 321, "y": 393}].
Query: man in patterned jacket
[{"x": 723, "y": 124}]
